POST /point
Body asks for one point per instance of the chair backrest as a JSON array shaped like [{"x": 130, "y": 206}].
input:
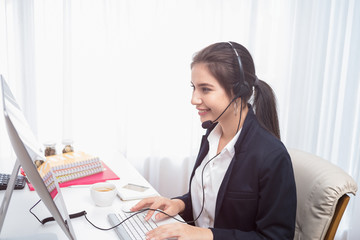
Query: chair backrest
[{"x": 319, "y": 186}]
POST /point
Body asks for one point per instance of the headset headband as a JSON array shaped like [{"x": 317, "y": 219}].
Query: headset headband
[{"x": 244, "y": 86}]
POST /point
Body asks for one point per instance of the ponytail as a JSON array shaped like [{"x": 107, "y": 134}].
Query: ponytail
[{"x": 265, "y": 107}]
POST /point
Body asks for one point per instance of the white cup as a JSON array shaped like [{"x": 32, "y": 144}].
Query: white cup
[{"x": 103, "y": 193}]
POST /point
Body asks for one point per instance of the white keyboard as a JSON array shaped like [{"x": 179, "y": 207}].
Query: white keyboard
[{"x": 134, "y": 228}]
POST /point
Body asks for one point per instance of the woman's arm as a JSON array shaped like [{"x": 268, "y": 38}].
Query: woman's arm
[{"x": 187, "y": 213}]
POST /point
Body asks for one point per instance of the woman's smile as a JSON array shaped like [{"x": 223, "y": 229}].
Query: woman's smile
[{"x": 203, "y": 112}]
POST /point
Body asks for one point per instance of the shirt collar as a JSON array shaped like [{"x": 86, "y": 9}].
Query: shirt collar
[{"x": 214, "y": 138}]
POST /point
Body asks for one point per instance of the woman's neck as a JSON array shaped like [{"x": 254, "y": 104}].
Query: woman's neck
[{"x": 230, "y": 126}]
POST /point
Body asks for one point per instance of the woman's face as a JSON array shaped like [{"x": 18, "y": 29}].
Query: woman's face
[{"x": 208, "y": 96}]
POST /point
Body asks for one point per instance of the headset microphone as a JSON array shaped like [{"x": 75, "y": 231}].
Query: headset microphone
[{"x": 209, "y": 123}]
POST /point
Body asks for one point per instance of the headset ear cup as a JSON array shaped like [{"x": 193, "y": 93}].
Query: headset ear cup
[
  {"x": 247, "y": 87},
  {"x": 242, "y": 90}
]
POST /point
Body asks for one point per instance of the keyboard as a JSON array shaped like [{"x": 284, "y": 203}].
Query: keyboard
[
  {"x": 134, "y": 228},
  {"x": 4, "y": 180}
]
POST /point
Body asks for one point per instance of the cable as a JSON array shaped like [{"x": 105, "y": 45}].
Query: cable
[
  {"x": 241, "y": 107},
  {"x": 203, "y": 190},
  {"x": 135, "y": 213},
  {"x": 49, "y": 219},
  {"x": 34, "y": 213},
  {"x": 84, "y": 213},
  {"x": 161, "y": 211}
]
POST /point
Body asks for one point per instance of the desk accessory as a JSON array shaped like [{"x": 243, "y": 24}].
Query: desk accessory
[
  {"x": 106, "y": 174},
  {"x": 132, "y": 191},
  {"x": 103, "y": 193},
  {"x": 71, "y": 165}
]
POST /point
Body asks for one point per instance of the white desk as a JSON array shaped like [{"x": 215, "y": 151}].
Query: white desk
[{"x": 20, "y": 222}]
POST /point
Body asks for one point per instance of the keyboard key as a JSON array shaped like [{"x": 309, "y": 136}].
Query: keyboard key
[
  {"x": 136, "y": 226},
  {"x": 5, "y": 178}
]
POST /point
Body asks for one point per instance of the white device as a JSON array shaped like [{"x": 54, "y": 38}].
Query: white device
[{"x": 27, "y": 150}]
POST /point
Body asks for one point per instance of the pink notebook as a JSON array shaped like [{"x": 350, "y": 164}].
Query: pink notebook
[{"x": 103, "y": 176}]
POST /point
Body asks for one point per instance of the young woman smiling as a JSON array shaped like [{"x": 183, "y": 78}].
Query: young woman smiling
[{"x": 242, "y": 185}]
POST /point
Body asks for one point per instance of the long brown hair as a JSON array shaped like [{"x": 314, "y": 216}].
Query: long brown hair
[{"x": 223, "y": 64}]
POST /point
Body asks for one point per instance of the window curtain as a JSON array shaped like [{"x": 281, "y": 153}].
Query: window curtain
[{"x": 114, "y": 76}]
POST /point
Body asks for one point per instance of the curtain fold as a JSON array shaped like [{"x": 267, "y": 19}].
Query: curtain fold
[{"x": 114, "y": 76}]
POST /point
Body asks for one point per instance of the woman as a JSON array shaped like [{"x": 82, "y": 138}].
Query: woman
[{"x": 242, "y": 185}]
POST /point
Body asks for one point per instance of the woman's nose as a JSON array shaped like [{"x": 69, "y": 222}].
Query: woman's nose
[{"x": 195, "y": 99}]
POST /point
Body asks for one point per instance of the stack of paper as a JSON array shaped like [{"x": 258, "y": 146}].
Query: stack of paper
[{"x": 72, "y": 165}]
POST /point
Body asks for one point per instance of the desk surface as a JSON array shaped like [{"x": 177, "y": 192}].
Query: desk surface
[{"x": 19, "y": 221}]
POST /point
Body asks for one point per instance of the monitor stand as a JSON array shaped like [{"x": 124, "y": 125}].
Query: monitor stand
[
  {"x": 8, "y": 193},
  {"x": 5, "y": 206}
]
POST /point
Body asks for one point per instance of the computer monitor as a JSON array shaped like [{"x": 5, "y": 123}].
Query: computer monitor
[{"x": 28, "y": 149}]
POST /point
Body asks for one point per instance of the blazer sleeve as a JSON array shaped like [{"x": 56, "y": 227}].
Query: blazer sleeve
[
  {"x": 187, "y": 213},
  {"x": 275, "y": 218}
]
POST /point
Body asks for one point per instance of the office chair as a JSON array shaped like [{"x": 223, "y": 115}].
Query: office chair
[{"x": 322, "y": 196}]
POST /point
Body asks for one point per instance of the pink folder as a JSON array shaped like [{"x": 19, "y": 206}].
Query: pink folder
[{"x": 107, "y": 174}]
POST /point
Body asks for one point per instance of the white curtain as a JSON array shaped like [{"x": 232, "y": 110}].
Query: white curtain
[{"x": 114, "y": 76}]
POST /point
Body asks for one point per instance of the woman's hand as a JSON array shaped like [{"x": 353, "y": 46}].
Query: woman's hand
[
  {"x": 180, "y": 231},
  {"x": 170, "y": 206}
]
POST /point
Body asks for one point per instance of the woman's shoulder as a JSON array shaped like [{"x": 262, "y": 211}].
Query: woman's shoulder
[
  {"x": 255, "y": 134},
  {"x": 264, "y": 144}
]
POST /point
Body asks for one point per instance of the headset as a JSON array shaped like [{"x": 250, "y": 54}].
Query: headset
[{"x": 241, "y": 88}]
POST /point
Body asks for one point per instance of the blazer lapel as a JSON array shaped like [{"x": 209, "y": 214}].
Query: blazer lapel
[{"x": 240, "y": 147}]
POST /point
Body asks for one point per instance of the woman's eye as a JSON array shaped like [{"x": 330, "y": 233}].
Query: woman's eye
[{"x": 205, "y": 90}]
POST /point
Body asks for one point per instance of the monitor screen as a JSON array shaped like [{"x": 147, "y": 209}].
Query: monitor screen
[
  {"x": 28, "y": 149},
  {"x": 32, "y": 145}
]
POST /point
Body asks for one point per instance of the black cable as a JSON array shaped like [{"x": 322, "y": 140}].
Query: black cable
[
  {"x": 135, "y": 213},
  {"x": 203, "y": 189},
  {"x": 161, "y": 211},
  {"x": 49, "y": 219},
  {"x": 225, "y": 109},
  {"x": 33, "y": 213},
  {"x": 84, "y": 213},
  {"x": 241, "y": 107}
]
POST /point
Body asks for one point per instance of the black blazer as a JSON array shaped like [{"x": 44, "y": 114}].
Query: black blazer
[{"x": 257, "y": 197}]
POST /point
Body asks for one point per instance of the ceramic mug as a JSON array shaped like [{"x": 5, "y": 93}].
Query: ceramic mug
[{"x": 103, "y": 193}]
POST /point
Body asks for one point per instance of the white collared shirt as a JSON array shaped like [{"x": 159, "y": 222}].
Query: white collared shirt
[{"x": 213, "y": 176}]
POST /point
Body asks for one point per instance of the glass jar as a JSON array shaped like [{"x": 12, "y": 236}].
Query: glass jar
[
  {"x": 68, "y": 146},
  {"x": 50, "y": 148},
  {"x": 38, "y": 162}
]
